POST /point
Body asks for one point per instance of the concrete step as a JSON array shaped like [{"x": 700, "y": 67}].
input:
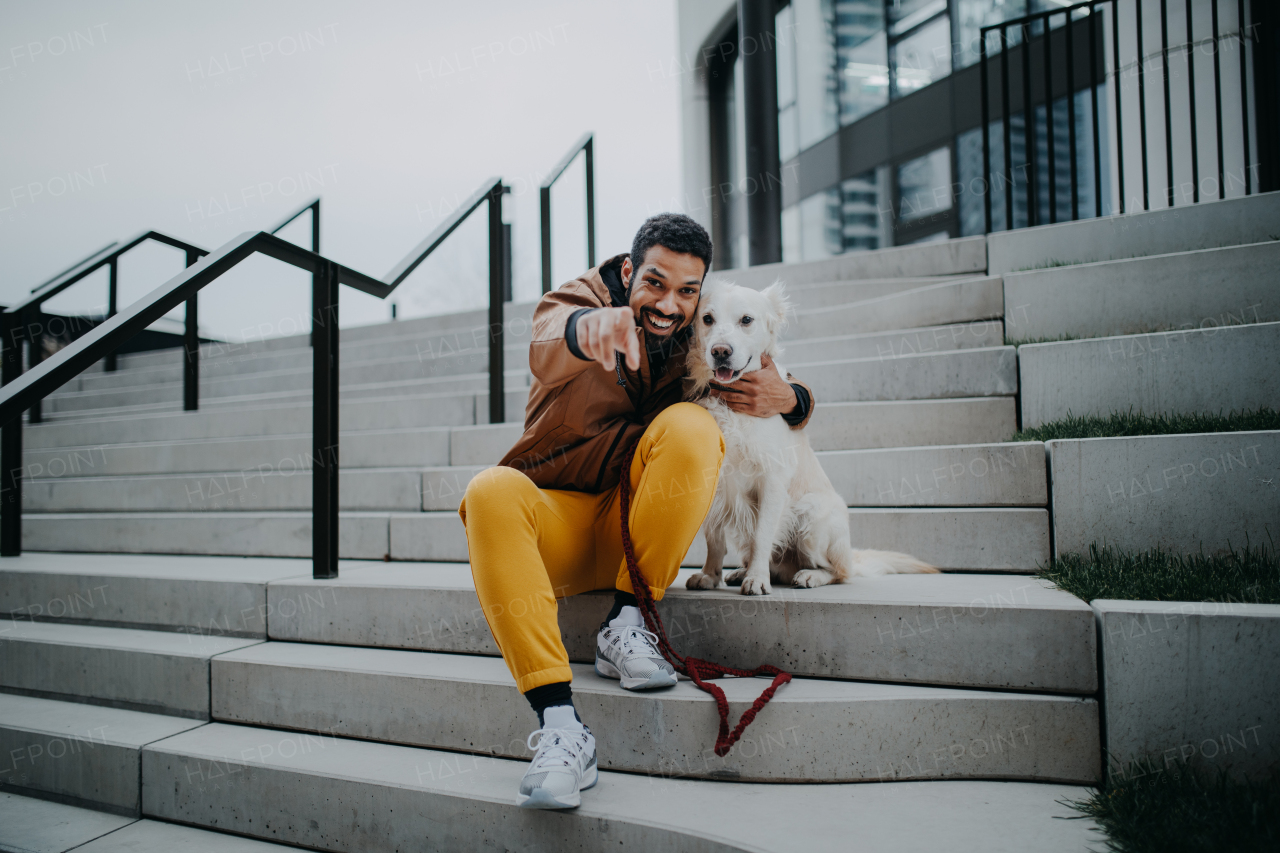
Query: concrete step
[
  {"x": 1209, "y": 370},
  {"x": 981, "y": 631},
  {"x": 967, "y": 255},
  {"x": 910, "y": 423},
  {"x": 447, "y": 409},
  {"x": 81, "y": 754},
  {"x": 956, "y": 539},
  {"x": 1207, "y": 225},
  {"x": 934, "y": 305},
  {"x": 1185, "y": 290},
  {"x": 280, "y": 454},
  {"x": 1187, "y": 494},
  {"x": 893, "y": 344},
  {"x": 986, "y": 372},
  {"x": 834, "y": 426},
  {"x": 282, "y": 386},
  {"x": 471, "y": 324},
  {"x": 155, "y": 671},
  {"x": 957, "y": 475},
  {"x": 821, "y": 294},
  {"x": 361, "y": 536},
  {"x": 30, "y": 825},
  {"x": 315, "y": 792},
  {"x": 213, "y": 596},
  {"x": 812, "y": 731},
  {"x": 269, "y": 489},
  {"x": 430, "y": 356},
  {"x": 251, "y": 422}
]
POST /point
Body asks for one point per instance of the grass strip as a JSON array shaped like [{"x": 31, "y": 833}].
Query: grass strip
[
  {"x": 1148, "y": 808},
  {"x": 1250, "y": 575},
  {"x": 1131, "y": 423}
]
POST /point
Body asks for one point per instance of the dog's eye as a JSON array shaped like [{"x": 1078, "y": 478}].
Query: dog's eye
[
  {"x": 746, "y": 320},
  {"x": 707, "y": 319}
]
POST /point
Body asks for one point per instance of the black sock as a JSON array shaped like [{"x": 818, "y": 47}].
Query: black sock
[
  {"x": 548, "y": 695},
  {"x": 620, "y": 600}
]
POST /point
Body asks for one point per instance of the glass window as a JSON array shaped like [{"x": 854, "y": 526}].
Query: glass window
[
  {"x": 972, "y": 15},
  {"x": 860, "y": 212},
  {"x": 922, "y": 57},
  {"x": 788, "y": 132},
  {"x": 924, "y": 185},
  {"x": 862, "y": 57},
  {"x": 905, "y": 14},
  {"x": 815, "y": 77},
  {"x": 820, "y": 226}
]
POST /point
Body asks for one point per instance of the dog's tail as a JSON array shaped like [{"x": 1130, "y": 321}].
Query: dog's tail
[{"x": 865, "y": 563}]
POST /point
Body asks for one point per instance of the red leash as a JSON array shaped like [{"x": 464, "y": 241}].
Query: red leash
[{"x": 700, "y": 671}]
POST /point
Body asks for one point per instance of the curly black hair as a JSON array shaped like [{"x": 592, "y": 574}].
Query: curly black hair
[{"x": 673, "y": 231}]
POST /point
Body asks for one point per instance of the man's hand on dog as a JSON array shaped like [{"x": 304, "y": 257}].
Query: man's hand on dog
[
  {"x": 603, "y": 332},
  {"x": 763, "y": 393}
]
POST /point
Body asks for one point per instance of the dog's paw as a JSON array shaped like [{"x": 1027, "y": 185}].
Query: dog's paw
[
  {"x": 809, "y": 578},
  {"x": 756, "y": 586},
  {"x": 735, "y": 578},
  {"x": 702, "y": 580}
]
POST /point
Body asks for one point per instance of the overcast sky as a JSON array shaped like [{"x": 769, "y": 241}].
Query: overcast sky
[{"x": 207, "y": 120}]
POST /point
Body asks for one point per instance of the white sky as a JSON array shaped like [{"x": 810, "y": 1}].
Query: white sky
[{"x": 400, "y": 109}]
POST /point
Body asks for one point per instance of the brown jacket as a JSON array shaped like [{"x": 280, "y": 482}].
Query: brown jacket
[{"x": 579, "y": 421}]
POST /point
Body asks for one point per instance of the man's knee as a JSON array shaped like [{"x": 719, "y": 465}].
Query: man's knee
[
  {"x": 495, "y": 488},
  {"x": 688, "y": 429},
  {"x": 692, "y": 426}
]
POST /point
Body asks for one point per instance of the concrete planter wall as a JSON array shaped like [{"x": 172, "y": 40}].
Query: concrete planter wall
[
  {"x": 1190, "y": 682},
  {"x": 1178, "y": 492}
]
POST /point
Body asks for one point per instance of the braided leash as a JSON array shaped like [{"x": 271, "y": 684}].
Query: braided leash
[{"x": 700, "y": 671}]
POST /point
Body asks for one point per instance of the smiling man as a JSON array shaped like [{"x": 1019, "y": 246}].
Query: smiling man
[{"x": 607, "y": 359}]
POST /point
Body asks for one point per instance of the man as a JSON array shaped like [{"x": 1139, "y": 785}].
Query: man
[{"x": 607, "y": 358}]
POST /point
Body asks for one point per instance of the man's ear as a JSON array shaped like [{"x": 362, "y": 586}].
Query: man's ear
[
  {"x": 626, "y": 271},
  {"x": 779, "y": 305}
]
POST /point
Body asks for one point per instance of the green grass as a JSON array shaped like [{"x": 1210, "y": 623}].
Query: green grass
[
  {"x": 1136, "y": 423},
  {"x": 1154, "y": 809},
  {"x": 1250, "y": 575}
]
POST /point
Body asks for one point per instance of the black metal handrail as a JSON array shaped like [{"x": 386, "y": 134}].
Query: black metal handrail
[
  {"x": 544, "y": 192},
  {"x": 1036, "y": 30},
  {"x": 23, "y": 321},
  {"x": 20, "y": 391}
]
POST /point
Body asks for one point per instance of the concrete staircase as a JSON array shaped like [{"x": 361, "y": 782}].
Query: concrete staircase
[{"x": 371, "y": 712}]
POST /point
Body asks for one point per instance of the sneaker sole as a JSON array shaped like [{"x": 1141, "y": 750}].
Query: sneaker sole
[
  {"x": 542, "y": 799},
  {"x": 660, "y": 679}
]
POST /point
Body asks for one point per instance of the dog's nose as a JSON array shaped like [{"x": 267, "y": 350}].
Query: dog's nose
[{"x": 720, "y": 352}]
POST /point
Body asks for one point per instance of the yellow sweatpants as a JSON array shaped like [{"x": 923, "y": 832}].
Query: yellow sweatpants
[{"x": 530, "y": 546}]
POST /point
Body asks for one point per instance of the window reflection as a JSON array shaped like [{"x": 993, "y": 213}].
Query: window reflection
[
  {"x": 924, "y": 185},
  {"x": 922, "y": 57}
]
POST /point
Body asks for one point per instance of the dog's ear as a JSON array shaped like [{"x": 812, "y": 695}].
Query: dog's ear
[{"x": 779, "y": 305}]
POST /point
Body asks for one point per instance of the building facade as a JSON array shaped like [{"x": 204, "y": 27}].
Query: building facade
[{"x": 879, "y": 107}]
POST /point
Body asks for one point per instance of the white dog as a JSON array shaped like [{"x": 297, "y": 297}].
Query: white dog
[{"x": 774, "y": 501}]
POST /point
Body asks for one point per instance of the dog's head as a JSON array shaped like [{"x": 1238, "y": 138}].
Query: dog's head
[{"x": 734, "y": 326}]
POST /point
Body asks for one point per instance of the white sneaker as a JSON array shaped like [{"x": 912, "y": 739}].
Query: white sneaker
[
  {"x": 626, "y": 651},
  {"x": 565, "y": 763}
]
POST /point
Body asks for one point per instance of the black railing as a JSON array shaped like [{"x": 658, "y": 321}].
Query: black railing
[
  {"x": 1033, "y": 41},
  {"x": 22, "y": 390},
  {"x": 585, "y": 145},
  {"x": 24, "y": 322}
]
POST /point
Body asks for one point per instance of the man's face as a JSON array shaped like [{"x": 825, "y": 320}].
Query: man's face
[{"x": 664, "y": 295}]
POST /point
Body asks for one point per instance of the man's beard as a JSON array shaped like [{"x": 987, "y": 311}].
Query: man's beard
[{"x": 677, "y": 320}]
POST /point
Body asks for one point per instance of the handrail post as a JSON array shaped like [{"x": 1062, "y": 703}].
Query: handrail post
[
  {"x": 544, "y": 198},
  {"x": 591, "y": 204},
  {"x": 315, "y": 247},
  {"x": 33, "y": 331},
  {"x": 497, "y": 387},
  {"x": 324, "y": 471},
  {"x": 109, "y": 361},
  {"x": 191, "y": 349},
  {"x": 11, "y": 444}
]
